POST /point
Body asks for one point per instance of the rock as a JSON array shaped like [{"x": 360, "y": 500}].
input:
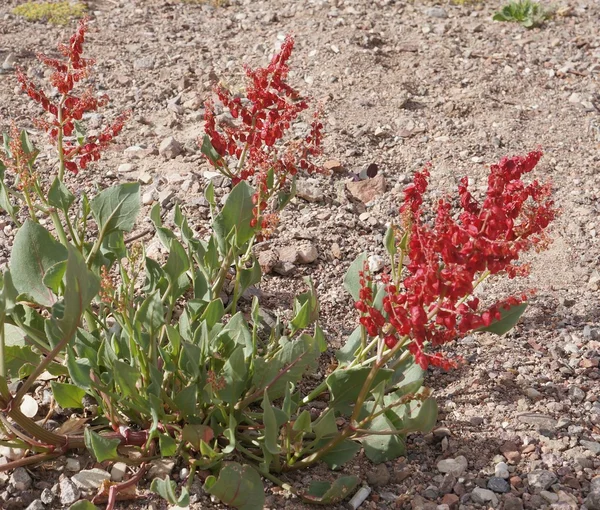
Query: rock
[
  {"x": 379, "y": 476},
  {"x": 117, "y": 472},
  {"x": 501, "y": 470},
  {"x": 447, "y": 483},
  {"x": 566, "y": 501},
  {"x": 482, "y": 496},
  {"x": 367, "y": 190},
  {"x": 436, "y": 12},
  {"x": 451, "y": 500},
  {"x": 575, "y": 98},
  {"x": 512, "y": 503},
  {"x": 533, "y": 393},
  {"x": 455, "y": 466},
  {"x": 420, "y": 503},
  {"x": 336, "y": 251},
  {"x": 301, "y": 253},
  {"x": 476, "y": 421},
  {"x": 69, "y": 493},
  {"x": 541, "y": 421},
  {"x": 29, "y": 407},
  {"x": 165, "y": 196},
  {"x": 20, "y": 479},
  {"x": 36, "y": 504},
  {"x": 47, "y": 496},
  {"x": 541, "y": 479},
  {"x": 9, "y": 62},
  {"x": 309, "y": 190},
  {"x": 576, "y": 394},
  {"x": 11, "y": 453},
  {"x": 170, "y": 148},
  {"x": 144, "y": 63},
  {"x": 376, "y": 263},
  {"x": 550, "y": 497},
  {"x": 333, "y": 165},
  {"x": 145, "y": 178},
  {"x": 284, "y": 268},
  {"x": 125, "y": 168},
  {"x": 89, "y": 479},
  {"x": 431, "y": 492},
  {"x": 591, "y": 446},
  {"x": 499, "y": 485},
  {"x": 161, "y": 468},
  {"x": 149, "y": 197},
  {"x": 267, "y": 260},
  {"x": 511, "y": 452},
  {"x": 592, "y": 502}
]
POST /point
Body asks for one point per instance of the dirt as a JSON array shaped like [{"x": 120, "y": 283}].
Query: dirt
[{"x": 402, "y": 84}]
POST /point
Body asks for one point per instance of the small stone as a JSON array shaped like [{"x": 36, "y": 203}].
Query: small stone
[
  {"x": 576, "y": 394},
  {"x": 9, "y": 62},
  {"x": 575, "y": 98},
  {"x": 592, "y": 502},
  {"x": 309, "y": 190},
  {"x": 541, "y": 421},
  {"x": 512, "y": 503},
  {"x": 431, "y": 492},
  {"x": 376, "y": 263},
  {"x": 481, "y": 496},
  {"x": 591, "y": 446},
  {"x": 379, "y": 476},
  {"x": 11, "y": 453},
  {"x": 170, "y": 148},
  {"x": 47, "y": 497},
  {"x": 436, "y": 12},
  {"x": 267, "y": 260},
  {"x": 476, "y": 421},
  {"x": 336, "y": 251},
  {"x": 301, "y": 253},
  {"x": 90, "y": 478},
  {"x": 69, "y": 493},
  {"x": 501, "y": 470},
  {"x": 541, "y": 480},
  {"x": 144, "y": 63},
  {"x": 117, "y": 472},
  {"x": 497, "y": 484},
  {"x": 455, "y": 466},
  {"x": 149, "y": 197},
  {"x": 533, "y": 393},
  {"x": 284, "y": 268},
  {"x": 145, "y": 178},
  {"x": 165, "y": 196},
  {"x": 550, "y": 497},
  {"x": 161, "y": 468},
  {"x": 20, "y": 479},
  {"x": 36, "y": 504},
  {"x": 447, "y": 483},
  {"x": 333, "y": 165},
  {"x": 451, "y": 500},
  {"x": 420, "y": 503},
  {"x": 125, "y": 168},
  {"x": 367, "y": 190}
]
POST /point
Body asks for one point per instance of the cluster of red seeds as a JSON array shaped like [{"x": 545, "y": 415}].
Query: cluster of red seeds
[
  {"x": 262, "y": 119},
  {"x": 433, "y": 304},
  {"x": 69, "y": 108}
]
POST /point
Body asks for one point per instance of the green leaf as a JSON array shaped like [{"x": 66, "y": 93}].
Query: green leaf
[
  {"x": 185, "y": 400},
  {"x": 390, "y": 240},
  {"x": 84, "y": 504},
  {"x": 116, "y": 208},
  {"x": 284, "y": 198},
  {"x": 237, "y": 486},
  {"x": 59, "y": 196},
  {"x": 167, "y": 445},
  {"x": 166, "y": 489},
  {"x": 303, "y": 422},
  {"x": 345, "y": 386},
  {"x": 195, "y": 434},
  {"x": 234, "y": 373},
  {"x": 126, "y": 378},
  {"x": 509, "y": 318},
  {"x": 422, "y": 416},
  {"x": 327, "y": 493},
  {"x": 151, "y": 312},
  {"x": 382, "y": 447},
  {"x": 79, "y": 369},
  {"x": 271, "y": 428},
  {"x": 213, "y": 313},
  {"x": 20, "y": 361},
  {"x": 103, "y": 448},
  {"x": 177, "y": 262},
  {"x": 346, "y": 354},
  {"x": 352, "y": 278},
  {"x": 339, "y": 454},
  {"x": 34, "y": 252},
  {"x": 67, "y": 395},
  {"x": 28, "y": 147},
  {"x": 325, "y": 425},
  {"x": 54, "y": 276},
  {"x": 237, "y": 214}
]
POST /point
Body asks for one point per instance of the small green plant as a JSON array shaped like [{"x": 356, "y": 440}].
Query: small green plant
[
  {"x": 530, "y": 14},
  {"x": 57, "y": 13}
]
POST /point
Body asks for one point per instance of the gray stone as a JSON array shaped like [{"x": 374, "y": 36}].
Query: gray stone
[
  {"x": 309, "y": 190},
  {"x": 36, "y": 504},
  {"x": 550, "y": 497},
  {"x": 482, "y": 496},
  {"x": 165, "y": 196},
  {"x": 447, "y": 484},
  {"x": 73, "y": 464},
  {"x": 144, "y": 63},
  {"x": 301, "y": 253},
  {"x": 125, "y": 168},
  {"x": 69, "y": 493},
  {"x": 576, "y": 394},
  {"x": 501, "y": 470},
  {"x": 538, "y": 420},
  {"x": 161, "y": 468},
  {"x": 431, "y": 492},
  {"x": 89, "y": 479},
  {"x": 541, "y": 480},
  {"x": 20, "y": 479},
  {"x": 591, "y": 446},
  {"x": 512, "y": 503},
  {"x": 455, "y": 466},
  {"x": 47, "y": 496},
  {"x": 497, "y": 484},
  {"x": 284, "y": 268},
  {"x": 170, "y": 148},
  {"x": 379, "y": 476},
  {"x": 436, "y": 12},
  {"x": 592, "y": 502},
  {"x": 595, "y": 484}
]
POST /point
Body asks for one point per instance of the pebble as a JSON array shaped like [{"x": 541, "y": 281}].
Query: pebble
[
  {"x": 455, "y": 466},
  {"x": 497, "y": 484},
  {"x": 501, "y": 470},
  {"x": 378, "y": 476},
  {"x": 541, "y": 480},
  {"x": 144, "y": 63},
  {"x": 170, "y": 148},
  {"x": 90, "y": 478},
  {"x": 36, "y": 504},
  {"x": 368, "y": 190},
  {"x": 309, "y": 190},
  {"x": 20, "y": 479},
  {"x": 591, "y": 446},
  {"x": 301, "y": 253},
  {"x": 117, "y": 472},
  {"x": 550, "y": 497},
  {"x": 436, "y": 12},
  {"x": 376, "y": 263},
  {"x": 69, "y": 493},
  {"x": 512, "y": 503},
  {"x": 576, "y": 394},
  {"x": 125, "y": 168},
  {"x": 481, "y": 496}
]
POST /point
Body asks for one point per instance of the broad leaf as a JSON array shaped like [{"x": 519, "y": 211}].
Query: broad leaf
[
  {"x": 352, "y": 278},
  {"x": 339, "y": 454},
  {"x": 59, "y": 196},
  {"x": 34, "y": 252},
  {"x": 116, "y": 208},
  {"x": 345, "y": 386},
  {"x": 327, "y": 493},
  {"x": 103, "y": 448},
  {"x": 237, "y": 213},
  {"x": 68, "y": 396},
  {"x": 509, "y": 318},
  {"x": 166, "y": 489},
  {"x": 237, "y": 486}
]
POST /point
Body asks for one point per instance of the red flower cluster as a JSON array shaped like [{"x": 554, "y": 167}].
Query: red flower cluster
[
  {"x": 70, "y": 108},
  {"x": 433, "y": 304},
  {"x": 262, "y": 118}
]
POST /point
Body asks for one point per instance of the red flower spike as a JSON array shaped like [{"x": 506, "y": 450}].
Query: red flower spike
[{"x": 433, "y": 303}]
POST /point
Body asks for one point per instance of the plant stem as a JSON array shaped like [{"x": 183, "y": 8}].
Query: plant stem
[
  {"x": 2, "y": 354},
  {"x": 59, "y": 228}
]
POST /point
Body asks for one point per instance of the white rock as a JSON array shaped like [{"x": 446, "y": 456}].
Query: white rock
[
  {"x": 455, "y": 466},
  {"x": 20, "y": 479},
  {"x": 376, "y": 263},
  {"x": 125, "y": 168},
  {"x": 501, "y": 470},
  {"x": 90, "y": 478},
  {"x": 73, "y": 464},
  {"x": 170, "y": 148},
  {"x": 29, "y": 406},
  {"x": 117, "y": 473},
  {"x": 481, "y": 496}
]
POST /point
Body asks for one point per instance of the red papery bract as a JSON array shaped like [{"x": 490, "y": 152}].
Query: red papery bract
[
  {"x": 448, "y": 255},
  {"x": 71, "y": 107}
]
